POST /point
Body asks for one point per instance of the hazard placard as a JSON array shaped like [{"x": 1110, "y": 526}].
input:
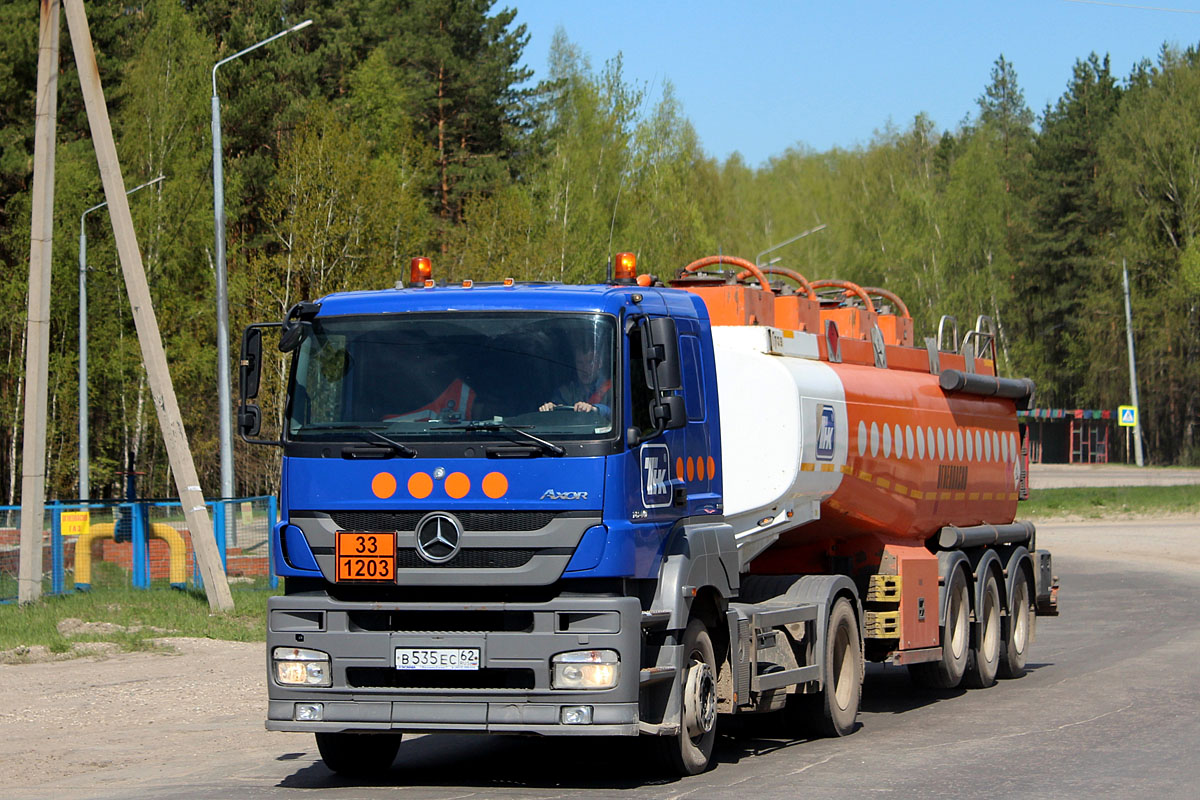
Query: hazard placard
[
  {"x": 1127, "y": 416},
  {"x": 74, "y": 523}
]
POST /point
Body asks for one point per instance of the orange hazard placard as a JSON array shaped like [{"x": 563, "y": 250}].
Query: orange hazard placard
[{"x": 366, "y": 556}]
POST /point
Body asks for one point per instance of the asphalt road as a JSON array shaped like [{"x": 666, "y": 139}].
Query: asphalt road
[
  {"x": 1058, "y": 476},
  {"x": 1108, "y": 708}
]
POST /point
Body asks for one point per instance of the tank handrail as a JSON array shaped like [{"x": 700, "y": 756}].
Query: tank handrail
[
  {"x": 851, "y": 289},
  {"x": 785, "y": 272},
  {"x": 953, "y": 335},
  {"x": 749, "y": 266},
  {"x": 891, "y": 297}
]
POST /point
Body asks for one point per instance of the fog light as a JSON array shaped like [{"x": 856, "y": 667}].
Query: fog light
[
  {"x": 295, "y": 666},
  {"x": 586, "y": 669},
  {"x": 309, "y": 712},
  {"x": 576, "y": 715}
]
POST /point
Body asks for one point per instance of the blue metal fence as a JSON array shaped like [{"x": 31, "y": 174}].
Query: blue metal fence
[{"x": 241, "y": 527}]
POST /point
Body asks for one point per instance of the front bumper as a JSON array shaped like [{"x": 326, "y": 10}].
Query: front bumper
[{"x": 509, "y": 694}]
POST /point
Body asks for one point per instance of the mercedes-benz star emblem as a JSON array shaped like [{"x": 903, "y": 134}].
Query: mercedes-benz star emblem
[{"x": 439, "y": 537}]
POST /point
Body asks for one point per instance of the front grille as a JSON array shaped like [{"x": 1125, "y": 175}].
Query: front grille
[
  {"x": 369, "y": 521},
  {"x": 470, "y": 558},
  {"x": 441, "y": 621},
  {"x": 387, "y": 678}
]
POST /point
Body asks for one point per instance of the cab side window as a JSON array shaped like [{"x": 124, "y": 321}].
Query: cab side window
[{"x": 639, "y": 391}]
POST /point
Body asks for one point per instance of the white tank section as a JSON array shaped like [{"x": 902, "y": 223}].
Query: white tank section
[{"x": 784, "y": 432}]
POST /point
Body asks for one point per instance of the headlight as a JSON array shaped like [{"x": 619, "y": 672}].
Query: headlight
[
  {"x": 586, "y": 669},
  {"x": 295, "y": 666}
]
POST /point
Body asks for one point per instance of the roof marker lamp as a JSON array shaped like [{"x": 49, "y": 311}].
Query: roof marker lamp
[
  {"x": 420, "y": 271},
  {"x": 625, "y": 270}
]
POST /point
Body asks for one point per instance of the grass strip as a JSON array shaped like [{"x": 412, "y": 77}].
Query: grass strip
[
  {"x": 130, "y": 618},
  {"x": 1100, "y": 502}
]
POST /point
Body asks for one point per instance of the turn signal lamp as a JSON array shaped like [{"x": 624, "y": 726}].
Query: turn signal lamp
[
  {"x": 420, "y": 271},
  {"x": 468, "y": 283},
  {"x": 626, "y": 267}
]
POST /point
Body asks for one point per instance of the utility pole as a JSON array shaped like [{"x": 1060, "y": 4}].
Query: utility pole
[
  {"x": 1133, "y": 392},
  {"x": 37, "y": 359},
  {"x": 162, "y": 391}
]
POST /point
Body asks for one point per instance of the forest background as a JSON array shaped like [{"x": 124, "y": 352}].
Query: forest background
[{"x": 394, "y": 128}]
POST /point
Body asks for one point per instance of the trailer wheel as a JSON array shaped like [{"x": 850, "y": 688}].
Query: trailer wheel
[
  {"x": 690, "y": 751},
  {"x": 1020, "y": 627},
  {"x": 985, "y": 655},
  {"x": 358, "y": 754},
  {"x": 956, "y": 639}
]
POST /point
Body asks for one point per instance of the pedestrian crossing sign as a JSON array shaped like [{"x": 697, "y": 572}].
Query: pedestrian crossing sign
[{"x": 1127, "y": 416}]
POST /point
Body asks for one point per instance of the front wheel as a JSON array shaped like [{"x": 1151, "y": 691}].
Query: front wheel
[
  {"x": 690, "y": 750},
  {"x": 358, "y": 754}
]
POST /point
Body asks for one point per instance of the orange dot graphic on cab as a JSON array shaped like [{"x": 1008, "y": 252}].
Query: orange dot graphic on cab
[
  {"x": 383, "y": 485},
  {"x": 420, "y": 485},
  {"x": 495, "y": 485},
  {"x": 457, "y": 485}
]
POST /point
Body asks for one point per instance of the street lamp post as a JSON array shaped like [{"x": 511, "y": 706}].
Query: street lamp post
[
  {"x": 224, "y": 398},
  {"x": 758, "y": 258},
  {"x": 84, "y": 488}
]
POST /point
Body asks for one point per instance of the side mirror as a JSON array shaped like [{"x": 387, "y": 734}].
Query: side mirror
[
  {"x": 249, "y": 420},
  {"x": 296, "y": 325},
  {"x": 251, "y": 364},
  {"x": 662, "y": 354},
  {"x": 670, "y": 412}
]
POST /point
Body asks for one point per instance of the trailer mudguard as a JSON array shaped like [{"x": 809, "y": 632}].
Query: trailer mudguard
[
  {"x": 1018, "y": 560},
  {"x": 981, "y": 562},
  {"x": 949, "y": 560}
]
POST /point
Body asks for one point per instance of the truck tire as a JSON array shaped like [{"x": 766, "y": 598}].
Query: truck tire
[
  {"x": 358, "y": 754},
  {"x": 833, "y": 711},
  {"x": 948, "y": 672},
  {"x": 985, "y": 655},
  {"x": 1020, "y": 627},
  {"x": 689, "y": 752}
]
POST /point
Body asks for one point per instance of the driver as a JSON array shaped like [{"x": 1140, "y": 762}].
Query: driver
[{"x": 590, "y": 389}]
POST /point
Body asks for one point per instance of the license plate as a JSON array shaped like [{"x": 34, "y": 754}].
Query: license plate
[
  {"x": 366, "y": 556},
  {"x": 454, "y": 658}
]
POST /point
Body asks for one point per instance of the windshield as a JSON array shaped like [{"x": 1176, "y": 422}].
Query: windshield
[{"x": 449, "y": 376}]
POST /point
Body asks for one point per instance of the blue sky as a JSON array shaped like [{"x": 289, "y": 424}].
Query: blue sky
[{"x": 759, "y": 77}]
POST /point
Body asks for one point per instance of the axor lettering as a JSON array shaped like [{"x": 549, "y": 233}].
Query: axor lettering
[{"x": 551, "y": 494}]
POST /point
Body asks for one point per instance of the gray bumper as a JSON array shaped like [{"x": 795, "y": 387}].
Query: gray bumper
[{"x": 510, "y": 693}]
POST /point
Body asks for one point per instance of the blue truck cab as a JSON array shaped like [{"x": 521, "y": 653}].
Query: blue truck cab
[{"x": 501, "y": 511}]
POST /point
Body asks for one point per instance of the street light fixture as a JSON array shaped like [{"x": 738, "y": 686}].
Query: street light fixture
[
  {"x": 224, "y": 398},
  {"x": 84, "y": 488},
  {"x": 758, "y": 259}
]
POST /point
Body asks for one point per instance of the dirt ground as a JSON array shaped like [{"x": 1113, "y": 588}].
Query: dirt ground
[
  {"x": 67, "y": 725},
  {"x": 113, "y": 725}
]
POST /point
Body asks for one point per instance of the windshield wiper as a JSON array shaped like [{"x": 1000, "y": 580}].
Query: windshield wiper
[
  {"x": 402, "y": 449},
  {"x": 354, "y": 427},
  {"x": 487, "y": 425}
]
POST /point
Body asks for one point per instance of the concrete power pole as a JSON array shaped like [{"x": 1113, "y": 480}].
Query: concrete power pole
[
  {"x": 37, "y": 360},
  {"x": 171, "y": 422}
]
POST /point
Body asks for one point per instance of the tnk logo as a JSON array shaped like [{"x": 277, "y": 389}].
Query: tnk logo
[
  {"x": 655, "y": 463},
  {"x": 826, "y": 426}
]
